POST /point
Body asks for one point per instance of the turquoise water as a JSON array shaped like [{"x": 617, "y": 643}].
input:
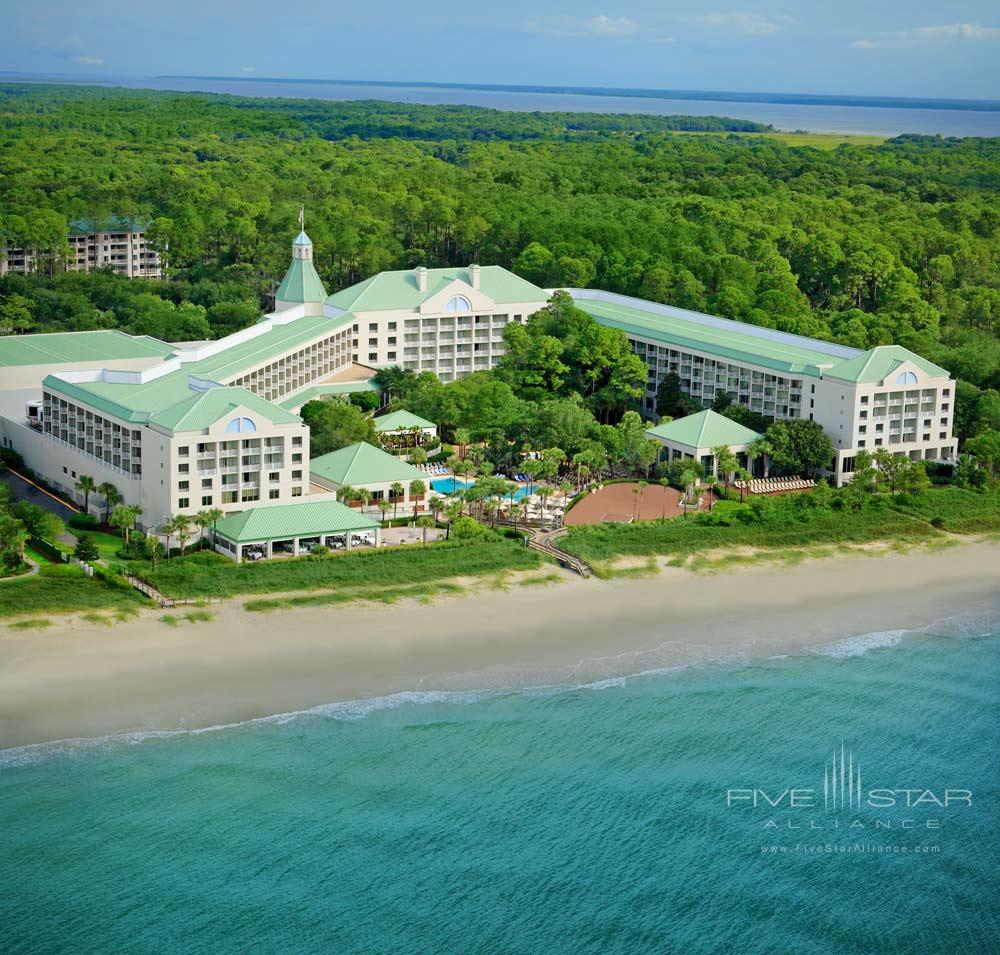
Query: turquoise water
[
  {"x": 450, "y": 485},
  {"x": 563, "y": 820}
]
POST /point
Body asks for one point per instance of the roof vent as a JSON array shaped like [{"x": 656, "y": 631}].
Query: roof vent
[
  {"x": 474, "y": 276},
  {"x": 421, "y": 273}
]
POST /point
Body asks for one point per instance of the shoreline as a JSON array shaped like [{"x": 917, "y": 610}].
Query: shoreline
[{"x": 78, "y": 681}]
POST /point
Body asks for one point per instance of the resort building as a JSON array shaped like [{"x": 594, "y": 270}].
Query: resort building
[
  {"x": 696, "y": 436},
  {"x": 403, "y": 428},
  {"x": 177, "y": 429},
  {"x": 118, "y": 242},
  {"x": 362, "y": 465},
  {"x": 886, "y": 396}
]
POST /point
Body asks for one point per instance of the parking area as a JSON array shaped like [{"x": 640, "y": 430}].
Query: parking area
[{"x": 410, "y": 535}]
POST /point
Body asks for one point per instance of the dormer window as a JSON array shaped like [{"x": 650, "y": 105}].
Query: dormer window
[
  {"x": 906, "y": 378},
  {"x": 458, "y": 303},
  {"x": 240, "y": 424}
]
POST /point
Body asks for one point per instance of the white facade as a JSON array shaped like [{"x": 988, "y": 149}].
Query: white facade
[{"x": 125, "y": 250}]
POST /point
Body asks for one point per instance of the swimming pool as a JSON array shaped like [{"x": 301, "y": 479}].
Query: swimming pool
[{"x": 450, "y": 485}]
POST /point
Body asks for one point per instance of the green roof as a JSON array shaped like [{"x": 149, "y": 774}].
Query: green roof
[
  {"x": 397, "y": 420},
  {"x": 204, "y": 408},
  {"x": 297, "y": 400},
  {"x": 292, "y": 520},
  {"x": 136, "y": 402},
  {"x": 63, "y": 347},
  {"x": 706, "y": 429},
  {"x": 391, "y": 290},
  {"x": 726, "y": 339},
  {"x": 880, "y": 362},
  {"x": 300, "y": 284},
  {"x": 360, "y": 464}
]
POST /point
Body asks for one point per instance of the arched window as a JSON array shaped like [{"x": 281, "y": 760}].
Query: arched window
[
  {"x": 458, "y": 303},
  {"x": 906, "y": 378},
  {"x": 240, "y": 424}
]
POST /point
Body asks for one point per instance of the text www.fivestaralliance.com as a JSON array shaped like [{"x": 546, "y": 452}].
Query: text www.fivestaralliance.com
[{"x": 856, "y": 848}]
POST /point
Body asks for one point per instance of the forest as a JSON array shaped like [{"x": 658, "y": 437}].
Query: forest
[{"x": 866, "y": 245}]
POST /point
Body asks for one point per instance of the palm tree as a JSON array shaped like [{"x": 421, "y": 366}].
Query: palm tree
[
  {"x": 112, "y": 498},
  {"x": 202, "y": 520},
  {"x": 363, "y": 495},
  {"x": 453, "y": 512},
  {"x": 742, "y": 475},
  {"x": 216, "y": 514},
  {"x": 419, "y": 456},
  {"x": 462, "y": 439},
  {"x": 86, "y": 485},
  {"x": 182, "y": 530},
  {"x": 688, "y": 476},
  {"x": 167, "y": 528},
  {"x": 395, "y": 492},
  {"x": 123, "y": 520},
  {"x": 417, "y": 490},
  {"x": 436, "y": 505},
  {"x": 642, "y": 493},
  {"x": 664, "y": 483},
  {"x": 385, "y": 507},
  {"x": 346, "y": 494},
  {"x": 425, "y": 522},
  {"x": 725, "y": 464}
]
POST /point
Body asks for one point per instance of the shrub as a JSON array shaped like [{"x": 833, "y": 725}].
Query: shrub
[
  {"x": 11, "y": 458},
  {"x": 937, "y": 521},
  {"x": 83, "y": 522}
]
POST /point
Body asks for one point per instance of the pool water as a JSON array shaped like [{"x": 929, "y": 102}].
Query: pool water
[{"x": 451, "y": 484}]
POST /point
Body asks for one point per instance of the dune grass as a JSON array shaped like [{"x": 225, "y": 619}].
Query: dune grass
[
  {"x": 36, "y": 623},
  {"x": 61, "y": 588},
  {"x": 207, "y": 574}
]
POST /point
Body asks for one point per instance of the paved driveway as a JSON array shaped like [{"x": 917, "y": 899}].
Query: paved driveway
[{"x": 21, "y": 490}]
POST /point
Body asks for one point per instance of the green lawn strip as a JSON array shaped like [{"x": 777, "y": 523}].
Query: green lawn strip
[
  {"x": 61, "y": 588},
  {"x": 38, "y": 557},
  {"x": 208, "y": 574}
]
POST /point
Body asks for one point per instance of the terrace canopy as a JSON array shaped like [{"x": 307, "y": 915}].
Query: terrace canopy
[{"x": 694, "y": 436}]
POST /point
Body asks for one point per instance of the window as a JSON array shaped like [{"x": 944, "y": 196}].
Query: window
[
  {"x": 373, "y": 326},
  {"x": 391, "y": 356},
  {"x": 182, "y": 502},
  {"x": 296, "y": 492},
  {"x": 206, "y": 483},
  {"x": 906, "y": 378},
  {"x": 206, "y": 500},
  {"x": 182, "y": 485},
  {"x": 373, "y": 343},
  {"x": 296, "y": 475},
  {"x": 184, "y": 451},
  {"x": 274, "y": 493},
  {"x": 181, "y": 469},
  {"x": 372, "y": 356},
  {"x": 297, "y": 458},
  {"x": 458, "y": 303},
  {"x": 240, "y": 424},
  {"x": 273, "y": 476},
  {"x": 297, "y": 442}
]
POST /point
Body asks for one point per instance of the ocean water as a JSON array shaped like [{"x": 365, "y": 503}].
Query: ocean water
[
  {"x": 567, "y": 819},
  {"x": 813, "y": 117}
]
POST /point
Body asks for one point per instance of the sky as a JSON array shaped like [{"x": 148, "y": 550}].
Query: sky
[{"x": 880, "y": 48}]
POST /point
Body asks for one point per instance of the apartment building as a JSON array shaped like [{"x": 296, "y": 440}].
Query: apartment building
[
  {"x": 885, "y": 396},
  {"x": 118, "y": 242}
]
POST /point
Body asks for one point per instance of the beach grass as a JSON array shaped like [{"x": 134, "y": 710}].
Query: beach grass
[
  {"x": 776, "y": 523},
  {"x": 36, "y": 623},
  {"x": 61, "y": 588},
  {"x": 207, "y": 574},
  {"x": 385, "y": 595},
  {"x": 955, "y": 509}
]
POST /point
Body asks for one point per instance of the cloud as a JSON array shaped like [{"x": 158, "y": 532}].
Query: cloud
[
  {"x": 940, "y": 33},
  {"x": 248, "y": 69},
  {"x": 88, "y": 60},
  {"x": 601, "y": 26},
  {"x": 753, "y": 24}
]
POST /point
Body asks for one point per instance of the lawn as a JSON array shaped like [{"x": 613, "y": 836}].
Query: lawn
[
  {"x": 58, "y": 588},
  {"x": 38, "y": 557},
  {"x": 207, "y": 574},
  {"x": 107, "y": 544}
]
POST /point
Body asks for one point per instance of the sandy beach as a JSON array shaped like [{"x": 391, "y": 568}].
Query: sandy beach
[{"x": 80, "y": 680}]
